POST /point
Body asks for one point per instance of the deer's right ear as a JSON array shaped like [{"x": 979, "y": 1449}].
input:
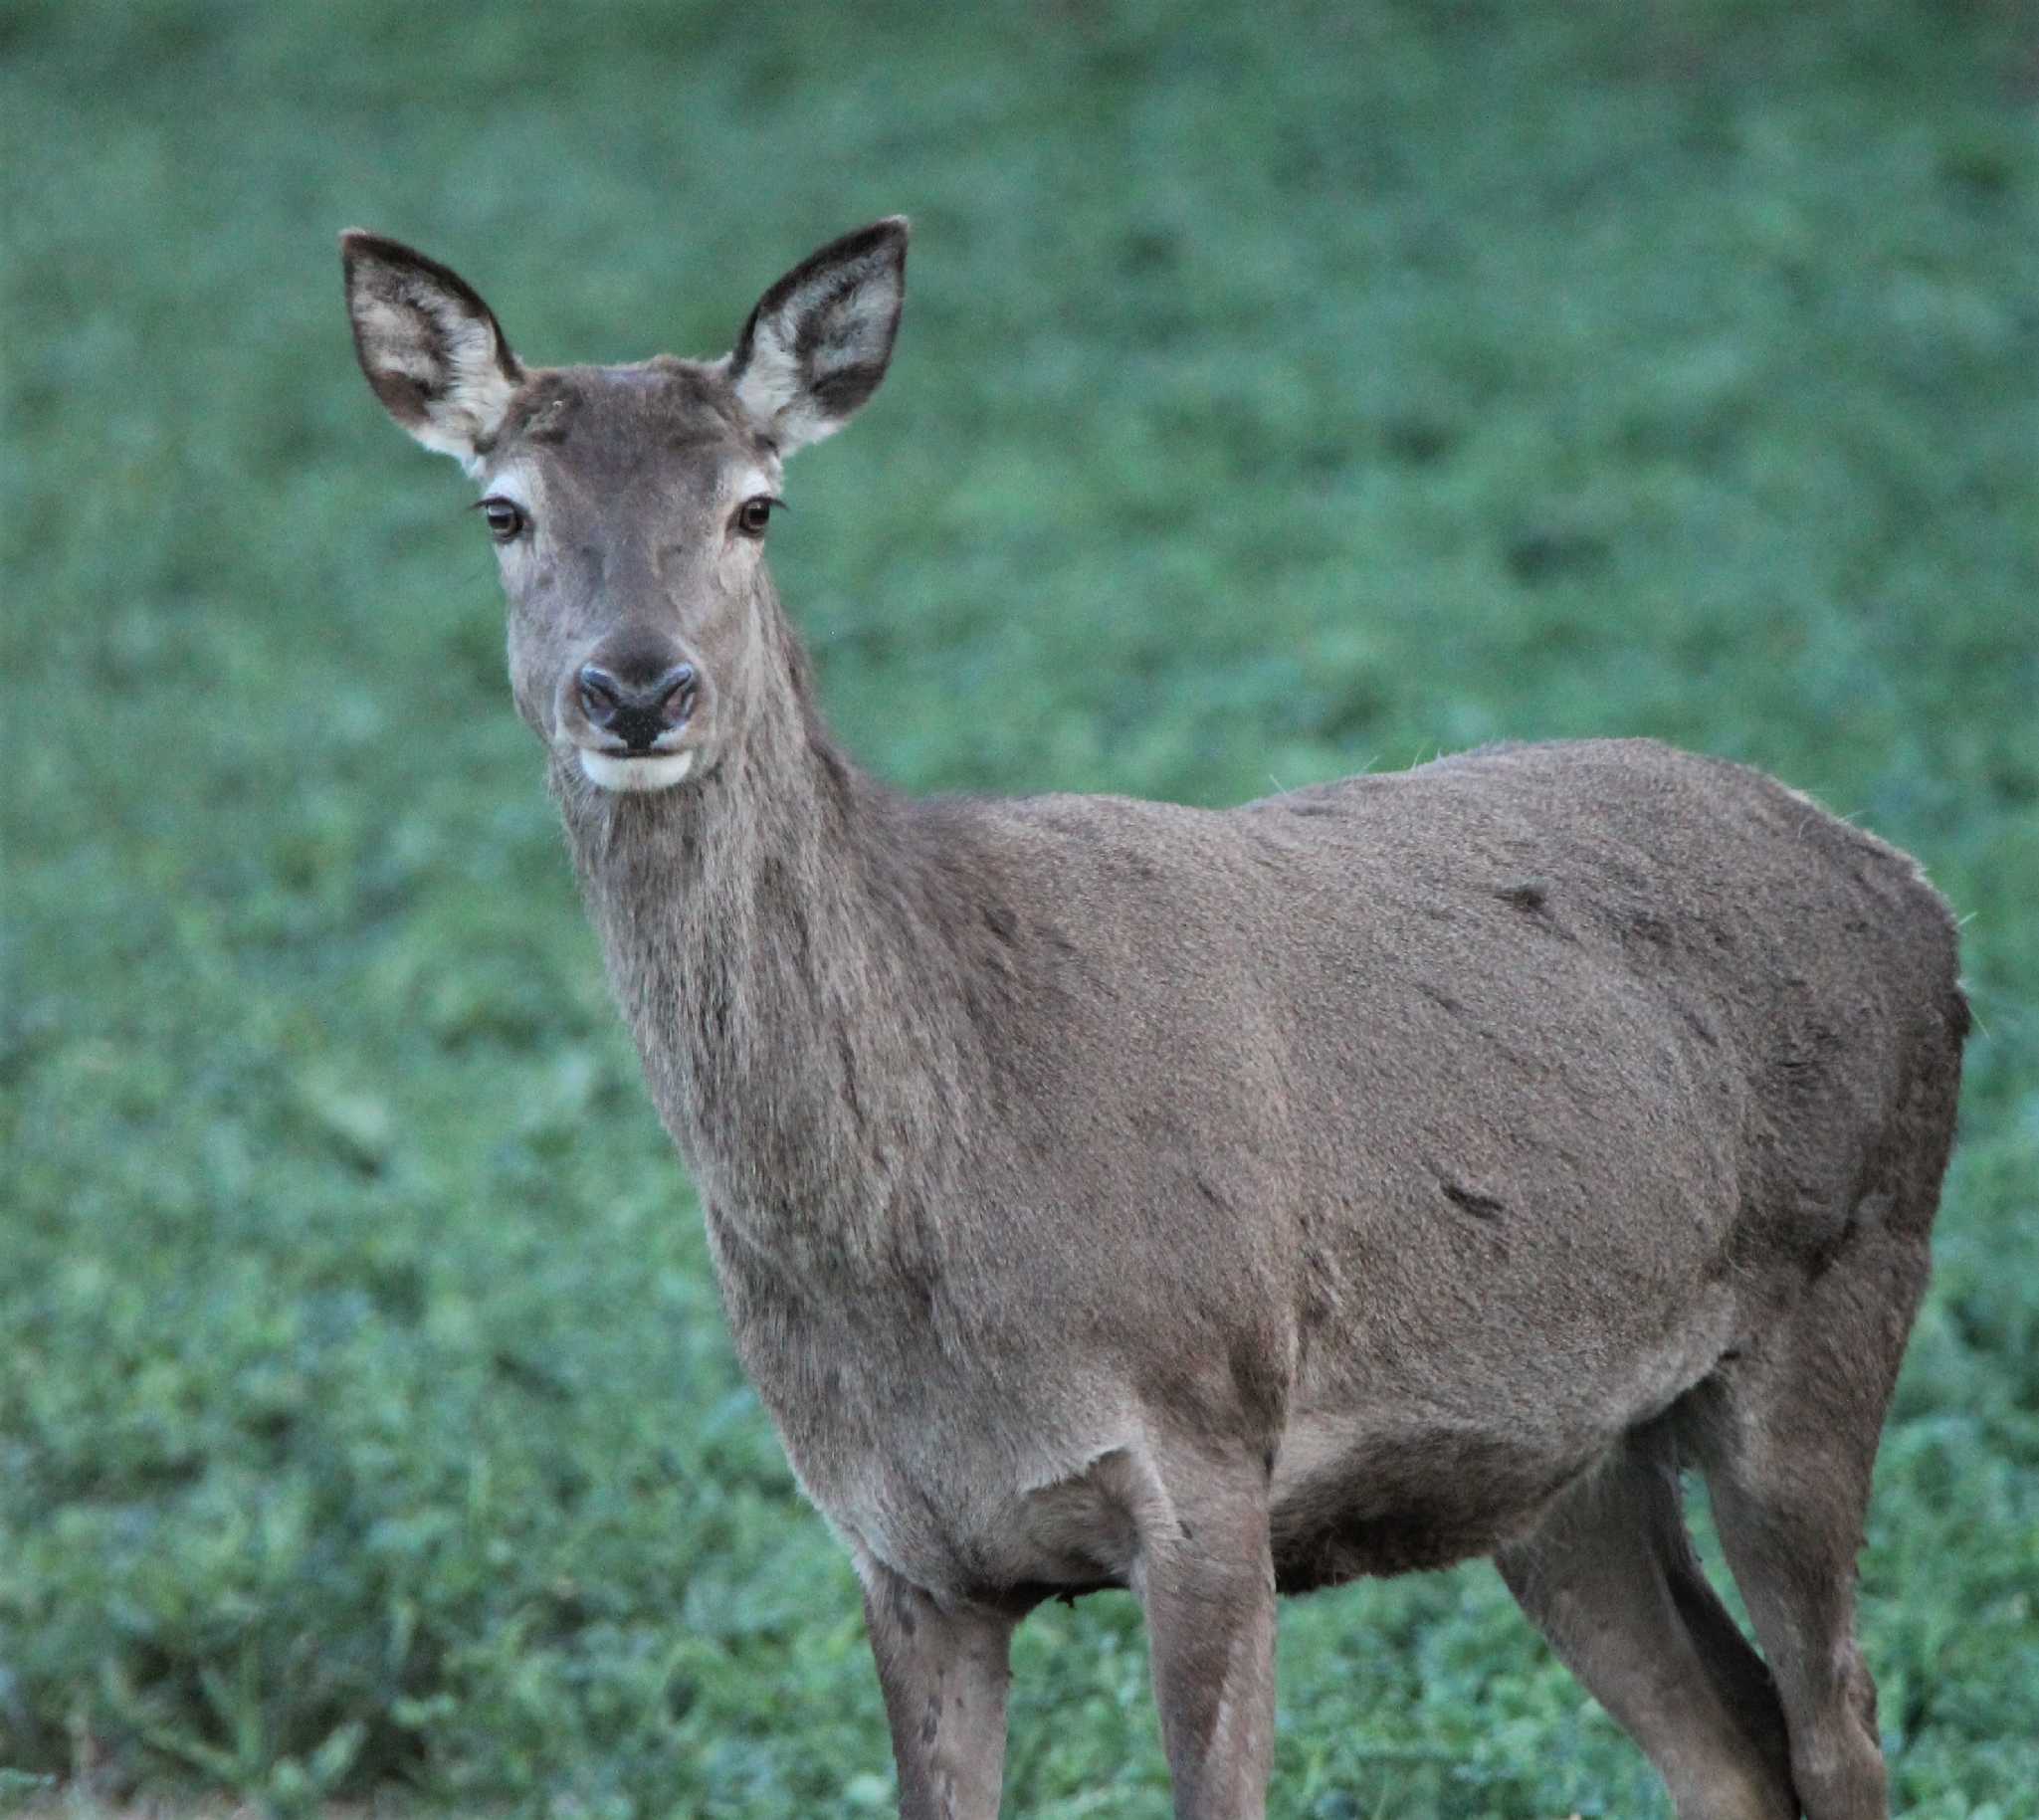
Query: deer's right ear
[{"x": 430, "y": 346}]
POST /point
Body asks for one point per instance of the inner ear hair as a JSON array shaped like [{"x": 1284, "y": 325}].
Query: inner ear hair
[
  {"x": 819, "y": 340},
  {"x": 429, "y": 345}
]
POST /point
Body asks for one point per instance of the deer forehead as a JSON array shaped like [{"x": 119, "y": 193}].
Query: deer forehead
[{"x": 607, "y": 432}]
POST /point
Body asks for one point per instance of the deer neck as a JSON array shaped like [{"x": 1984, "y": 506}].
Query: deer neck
[{"x": 761, "y": 933}]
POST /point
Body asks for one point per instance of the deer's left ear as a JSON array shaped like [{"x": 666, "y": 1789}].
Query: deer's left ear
[
  {"x": 820, "y": 339},
  {"x": 431, "y": 348}
]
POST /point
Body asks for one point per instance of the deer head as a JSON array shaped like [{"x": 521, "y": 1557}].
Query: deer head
[{"x": 629, "y": 505}]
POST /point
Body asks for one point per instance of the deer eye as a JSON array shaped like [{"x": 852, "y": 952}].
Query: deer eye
[
  {"x": 505, "y": 519},
  {"x": 756, "y": 513}
]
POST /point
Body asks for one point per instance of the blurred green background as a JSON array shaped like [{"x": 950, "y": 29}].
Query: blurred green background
[{"x": 1285, "y": 390}]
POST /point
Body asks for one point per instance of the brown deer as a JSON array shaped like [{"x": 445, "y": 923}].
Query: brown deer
[{"x": 1224, "y": 1203}]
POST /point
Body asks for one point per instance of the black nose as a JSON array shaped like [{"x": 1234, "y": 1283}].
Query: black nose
[{"x": 637, "y": 709}]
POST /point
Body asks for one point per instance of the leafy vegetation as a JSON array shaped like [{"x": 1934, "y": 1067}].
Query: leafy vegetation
[{"x": 1285, "y": 390}]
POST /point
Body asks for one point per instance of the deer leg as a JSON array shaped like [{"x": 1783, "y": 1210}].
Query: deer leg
[
  {"x": 1610, "y": 1579},
  {"x": 1789, "y": 1451},
  {"x": 1798, "y": 1576},
  {"x": 1205, "y": 1575},
  {"x": 943, "y": 1669},
  {"x": 1789, "y": 1462}
]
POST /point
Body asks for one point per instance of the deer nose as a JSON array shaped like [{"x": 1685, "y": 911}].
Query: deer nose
[{"x": 637, "y": 709}]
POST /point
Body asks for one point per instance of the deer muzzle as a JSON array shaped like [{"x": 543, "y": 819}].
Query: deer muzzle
[{"x": 627, "y": 709}]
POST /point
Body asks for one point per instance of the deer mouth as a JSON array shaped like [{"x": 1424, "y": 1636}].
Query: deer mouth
[{"x": 634, "y": 774}]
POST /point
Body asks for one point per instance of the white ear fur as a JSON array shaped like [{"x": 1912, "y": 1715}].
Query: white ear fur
[
  {"x": 819, "y": 340},
  {"x": 430, "y": 347}
]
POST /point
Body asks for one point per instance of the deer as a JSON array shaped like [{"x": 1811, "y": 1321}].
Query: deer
[{"x": 1223, "y": 1203}]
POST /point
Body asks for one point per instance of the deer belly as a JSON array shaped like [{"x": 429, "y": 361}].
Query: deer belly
[{"x": 1407, "y": 1498}]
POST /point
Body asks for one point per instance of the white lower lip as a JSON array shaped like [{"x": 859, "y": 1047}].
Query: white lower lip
[{"x": 658, "y": 773}]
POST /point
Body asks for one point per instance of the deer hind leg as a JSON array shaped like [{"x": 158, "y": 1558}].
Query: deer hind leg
[
  {"x": 1610, "y": 1579},
  {"x": 1789, "y": 1443}
]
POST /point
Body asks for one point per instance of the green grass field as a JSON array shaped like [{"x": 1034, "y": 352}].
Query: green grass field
[{"x": 1283, "y": 391}]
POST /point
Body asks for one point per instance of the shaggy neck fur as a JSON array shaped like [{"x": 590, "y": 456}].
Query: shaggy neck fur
[{"x": 774, "y": 932}]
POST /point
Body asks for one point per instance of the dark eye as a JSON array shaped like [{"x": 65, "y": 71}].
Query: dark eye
[
  {"x": 505, "y": 519},
  {"x": 754, "y": 515}
]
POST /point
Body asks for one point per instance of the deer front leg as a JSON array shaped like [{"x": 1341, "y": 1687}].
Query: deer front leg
[
  {"x": 1207, "y": 1580},
  {"x": 943, "y": 1669}
]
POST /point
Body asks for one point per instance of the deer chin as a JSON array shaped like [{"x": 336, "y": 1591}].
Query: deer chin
[{"x": 656, "y": 771}]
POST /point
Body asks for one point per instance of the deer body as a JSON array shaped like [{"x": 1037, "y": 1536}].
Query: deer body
[{"x": 1116, "y": 1193}]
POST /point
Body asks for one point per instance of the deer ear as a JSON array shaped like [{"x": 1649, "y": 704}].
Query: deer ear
[
  {"x": 819, "y": 340},
  {"x": 431, "y": 348}
]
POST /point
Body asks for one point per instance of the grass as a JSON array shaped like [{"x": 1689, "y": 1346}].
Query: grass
[{"x": 1283, "y": 391}]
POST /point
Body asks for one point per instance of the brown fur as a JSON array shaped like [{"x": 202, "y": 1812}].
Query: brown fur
[{"x": 1391, "y": 1172}]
